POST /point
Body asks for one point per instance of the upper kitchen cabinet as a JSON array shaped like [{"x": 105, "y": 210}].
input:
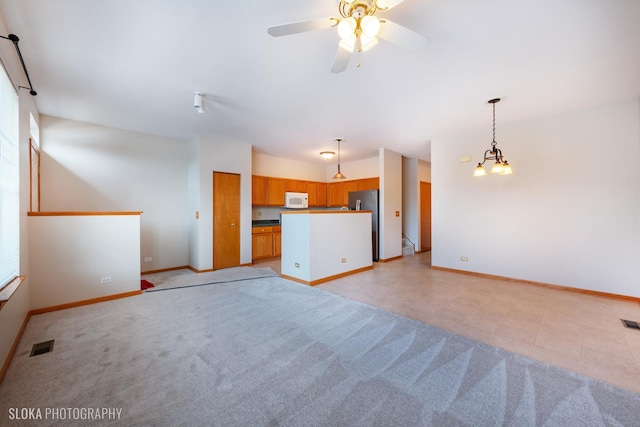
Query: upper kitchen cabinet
[
  {"x": 276, "y": 188},
  {"x": 267, "y": 191},
  {"x": 347, "y": 187},
  {"x": 296, "y": 185},
  {"x": 258, "y": 190},
  {"x": 312, "y": 192},
  {"x": 322, "y": 194},
  {"x": 338, "y": 192},
  {"x": 368, "y": 184}
]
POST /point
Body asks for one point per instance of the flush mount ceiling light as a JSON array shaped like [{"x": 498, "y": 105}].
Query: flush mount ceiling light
[
  {"x": 327, "y": 154},
  {"x": 198, "y": 102},
  {"x": 339, "y": 174},
  {"x": 501, "y": 166}
]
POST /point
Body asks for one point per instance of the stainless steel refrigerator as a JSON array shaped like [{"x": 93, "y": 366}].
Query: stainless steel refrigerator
[{"x": 368, "y": 201}]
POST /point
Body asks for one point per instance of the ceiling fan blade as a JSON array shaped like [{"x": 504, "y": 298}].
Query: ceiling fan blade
[
  {"x": 388, "y": 4},
  {"x": 302, "y": 26},
  {"x": 341, "y": 60},
  {"x": 401, "y": 36}
]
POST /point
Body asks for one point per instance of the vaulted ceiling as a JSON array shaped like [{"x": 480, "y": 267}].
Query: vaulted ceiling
[{"x": 135, "y": 64}]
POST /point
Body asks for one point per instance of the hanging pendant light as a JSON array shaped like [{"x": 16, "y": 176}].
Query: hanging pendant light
[
  {"x": 339, "y": 174},
  {"x": 501, "y": 166}
]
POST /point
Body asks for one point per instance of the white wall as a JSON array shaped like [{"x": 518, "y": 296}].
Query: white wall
[
  {"x": 72, "y": 254},
  {"x": 390, "y": 202},
  {"x": 319, "y": 242},
  {"x": 193, "y": 190},
  {"x": 87, "y": 167},
  {"x": 220, "y": 156},
  {"x": 278, "y": 167},
  {"x": 570, "y": 213},
  {"x": 411, "y": 200},
  {"x": 365, "y": 168},
  {"x": 424, "y": 171}
]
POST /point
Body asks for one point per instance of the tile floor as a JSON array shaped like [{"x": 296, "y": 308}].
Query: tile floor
[{"x": 571, "y": 330}]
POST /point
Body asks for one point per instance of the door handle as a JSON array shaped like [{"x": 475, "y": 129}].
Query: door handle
[{"x": 233, "y": 224}]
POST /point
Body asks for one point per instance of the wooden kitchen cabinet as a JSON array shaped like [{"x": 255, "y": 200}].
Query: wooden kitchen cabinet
[
  {"x": 334, "y": 194},
  {"x": 368, "y": 184},
  {"x": 275, "y": 191},
  {"x": 258, "y": 190},
  {"x": 296, "y": 185},
  {"x": 322, "y": 194},
  {"x": 312, "y": 191},
  {"x": 277, "y": 241},
  {"x": 262, "y": 242},
  {"x": 348, "y": 186}
]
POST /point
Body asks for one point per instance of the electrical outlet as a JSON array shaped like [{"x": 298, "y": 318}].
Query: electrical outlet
[
  {"x": 148, "y": 259},
  {"x": 105, "y": 279},
  {"x": 464, "y": 258},
  {"x": 344, "y": 260}
]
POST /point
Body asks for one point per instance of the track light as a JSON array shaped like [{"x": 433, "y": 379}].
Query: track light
[{"x": 198, "y": 102}]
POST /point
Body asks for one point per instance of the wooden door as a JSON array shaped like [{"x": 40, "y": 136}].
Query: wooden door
[
  {"x": 226, "y": 220},
  {"x": 425, "y": 216}
]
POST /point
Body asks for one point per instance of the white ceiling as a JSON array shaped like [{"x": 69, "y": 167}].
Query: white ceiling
[{"x": 134, "y": 64}]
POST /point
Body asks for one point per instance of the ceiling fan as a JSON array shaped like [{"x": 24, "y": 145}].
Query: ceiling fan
[{"x": 359, "y": 29}]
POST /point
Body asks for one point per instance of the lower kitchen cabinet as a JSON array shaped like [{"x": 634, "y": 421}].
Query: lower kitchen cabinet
[
  {"x": 266, "y": 242},
  {"x": 262, "y": 242},
  {"x": 277, "y": 241}
]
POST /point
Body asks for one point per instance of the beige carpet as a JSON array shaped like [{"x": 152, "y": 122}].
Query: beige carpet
[{"x": 271, "y": 352}]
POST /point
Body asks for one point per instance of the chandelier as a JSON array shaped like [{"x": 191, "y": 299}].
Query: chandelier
[
  {"x": 359, "y": 28},
  {"x": 501, "y": 166}
]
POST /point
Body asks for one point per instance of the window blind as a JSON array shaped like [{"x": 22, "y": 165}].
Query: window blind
[{"x": 9, "y": 182}]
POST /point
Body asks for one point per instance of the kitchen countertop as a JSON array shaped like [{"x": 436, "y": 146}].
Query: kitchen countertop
[{"x": 265, "y": 222}]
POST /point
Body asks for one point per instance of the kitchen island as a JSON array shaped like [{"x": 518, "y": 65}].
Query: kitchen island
[{"x": 319, "y": 246}]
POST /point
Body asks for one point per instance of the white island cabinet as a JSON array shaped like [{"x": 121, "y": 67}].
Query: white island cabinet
[{"x": 318, "y": 246}]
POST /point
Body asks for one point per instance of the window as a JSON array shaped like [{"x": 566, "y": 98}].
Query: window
[{"x": 9, "y": 182}]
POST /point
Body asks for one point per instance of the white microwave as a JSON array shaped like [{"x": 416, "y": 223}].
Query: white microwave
[{"x": 296, "y": 200}]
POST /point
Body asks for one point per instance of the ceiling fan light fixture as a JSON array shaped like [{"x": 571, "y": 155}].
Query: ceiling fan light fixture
[
  {"x": 370, "y": 26},
  {"x": 367, "y": 43},
  {"x": 347, "y": 28}
]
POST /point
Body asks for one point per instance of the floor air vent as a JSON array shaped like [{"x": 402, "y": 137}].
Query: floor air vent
[
  {"x": 631, "y": 324},
  {"x": 41, "y": 348}
]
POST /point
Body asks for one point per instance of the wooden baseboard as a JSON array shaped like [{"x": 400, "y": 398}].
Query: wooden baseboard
[
  {"x": 390, "y": 259},
  {"x": 328, "y": 278},
  {"x": 14, "y": 346},
  {"x": 544, "y": 285},
  {"x": 162, "y": 270},
  {"x": 83, "y": 302}
]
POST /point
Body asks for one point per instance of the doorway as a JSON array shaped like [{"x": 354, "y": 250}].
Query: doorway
[
  {"x": 226, "y": 220},
  {"x": 425, "y": 216}
]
